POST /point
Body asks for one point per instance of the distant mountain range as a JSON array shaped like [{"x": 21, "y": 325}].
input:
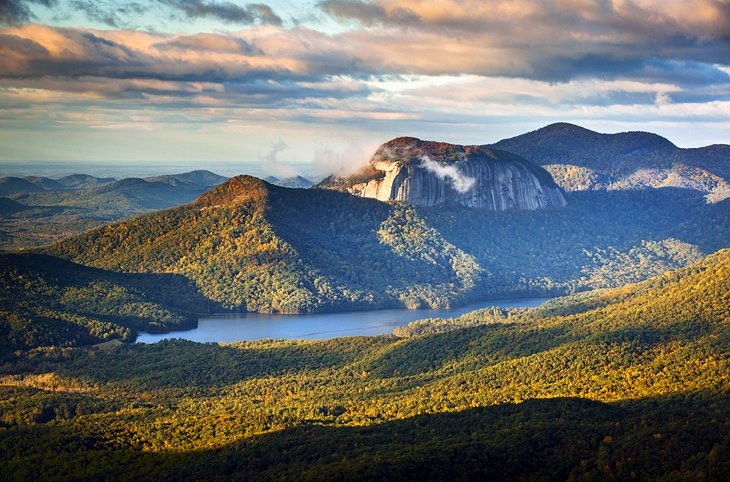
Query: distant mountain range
[
  {"x": 298, "y": 182},
  {"x": 39, "y": 210},
  {"x": 27, "y": 184},
  {"x": 582, "y": 159},
  {"x": 17, "y": 185}
]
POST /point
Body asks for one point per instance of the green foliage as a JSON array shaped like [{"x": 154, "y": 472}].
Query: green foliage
[
  {"x": 252, "y": 246},
  {"x": 577, "y": 178},
  {"x": 45, "y": 301},
  {"x": 615, "y": 384}
]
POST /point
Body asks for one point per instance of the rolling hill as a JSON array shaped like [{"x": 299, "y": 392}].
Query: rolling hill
[
  {"x": 45, "y": 301},
  {"x": 15, "y": 185}
]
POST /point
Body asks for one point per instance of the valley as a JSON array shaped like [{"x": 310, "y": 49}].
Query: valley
[
  {"x": 625, "y": 382},
  {"x": 623, "y": 375}
]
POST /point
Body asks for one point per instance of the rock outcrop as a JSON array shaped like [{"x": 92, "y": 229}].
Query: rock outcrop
[{"x": 435, "y": 173}]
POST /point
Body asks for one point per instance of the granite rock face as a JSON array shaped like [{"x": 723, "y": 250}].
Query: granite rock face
[{"x": 433, "y": 173}]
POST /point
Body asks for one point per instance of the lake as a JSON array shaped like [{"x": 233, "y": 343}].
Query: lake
[{"x": 320, "y": 326}]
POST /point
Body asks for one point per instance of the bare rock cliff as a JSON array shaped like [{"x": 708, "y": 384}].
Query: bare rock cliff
[{"x": 434, "y": 173}]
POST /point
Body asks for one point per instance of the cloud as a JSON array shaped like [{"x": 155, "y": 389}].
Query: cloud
[
  {"x": 112, "y": 14},
  {"x": 368, "y": 13},
  {"x": 459, "y": 181},
  {"x": 271, "y": 164},
  {"x": 228, "y": 12},
  {"x": 14, "y": 12},
  {"x": 328, "y": 161},
  {"x": 125, "y": 13},
  {"x": 385, "y": 68}
]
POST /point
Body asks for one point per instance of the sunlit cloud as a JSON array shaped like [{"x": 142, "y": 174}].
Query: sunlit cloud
[{"x": 457, "y": 70}]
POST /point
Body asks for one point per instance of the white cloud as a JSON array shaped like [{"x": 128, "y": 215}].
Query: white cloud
[{"x": 461, "y": 182}]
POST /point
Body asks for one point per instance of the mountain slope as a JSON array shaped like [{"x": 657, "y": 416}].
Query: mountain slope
[
  {"x": 84, "y": 181},
  {"x": 436, "y": 173},
  {"x": 9, "y": 207},
  {"x": 14, "y": 185},
  {"x": 52, "y": 215},
  {"x": 623, "y": 155},
  {"x": 255, "y": 246},
  {"x": 45, "y": 183},
  {"x": 45, "y": 301},
  {"x": 250, "y": 245},
  {"x": 198, "y": 177},
  {"x": 685, "y": 302}
]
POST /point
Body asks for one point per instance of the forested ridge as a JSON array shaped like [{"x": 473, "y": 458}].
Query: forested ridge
[
  {"x": 628, "y": 383},
  {"x": 249, "y": 245},
  {"x": 46, "y": 301},
  {"x": 581, "y": 159}
]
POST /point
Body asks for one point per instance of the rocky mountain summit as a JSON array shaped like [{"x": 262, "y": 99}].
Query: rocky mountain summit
[{"x": 429, "y": 173}]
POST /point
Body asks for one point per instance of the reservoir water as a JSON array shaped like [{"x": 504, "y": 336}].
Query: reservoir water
[{"x": 321, "y": 326}]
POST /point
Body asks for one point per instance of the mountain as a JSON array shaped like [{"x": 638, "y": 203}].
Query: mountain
[
  {"x": 46, "y": 301},
  {"x": 143, "y": 194},
  {"x": 250, "y": 245},
  {"x": 84, "y": 181},
  {"x": 298, "y": 182},
  {"x": 121, "y": 198},
  {"x": 198, "y": 177},
  {"x": 53, "y": 215},
  {"x": 15, "y": 185},
  {"x": 624, "y": 384},
  {"x": 626, "y": 160},
  {"x": 45, "y": 183},
  {"x": 435, "y": 173}
]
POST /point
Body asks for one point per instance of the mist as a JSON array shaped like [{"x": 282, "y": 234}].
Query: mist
[
  {"x": 272, "y": 165},
  {"x": 459, "y": 181}
]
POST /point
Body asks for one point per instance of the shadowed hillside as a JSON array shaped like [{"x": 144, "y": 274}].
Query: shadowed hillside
[{"x": 250, "y": 245}]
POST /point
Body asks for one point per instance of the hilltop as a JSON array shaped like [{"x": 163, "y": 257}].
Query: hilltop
[{"x": 626, "y": 160}]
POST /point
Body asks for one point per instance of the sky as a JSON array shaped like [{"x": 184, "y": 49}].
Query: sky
[{"x": 315, "y": 86}]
